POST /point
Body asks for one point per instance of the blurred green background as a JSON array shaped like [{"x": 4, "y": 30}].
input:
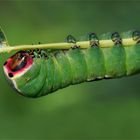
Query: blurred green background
[{"x": 107, "y": 109}]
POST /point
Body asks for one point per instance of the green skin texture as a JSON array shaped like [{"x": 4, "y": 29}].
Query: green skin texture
[{"x": 74, "y": 66}]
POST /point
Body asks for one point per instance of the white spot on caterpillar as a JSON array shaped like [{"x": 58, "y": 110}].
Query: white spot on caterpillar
[
  {"x": 91, "y": 79},
  {"x": 107, "y": 76},
  {"x": 11, "y": 80},
  {"x": 94, "y": 78},
  {"x": 100, "y": 77},
  {"x": 5, "y": 71},
  {"x": 15, "y": 85}
]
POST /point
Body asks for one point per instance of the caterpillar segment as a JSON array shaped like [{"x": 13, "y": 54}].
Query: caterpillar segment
[{"x": 35, "y": 73}]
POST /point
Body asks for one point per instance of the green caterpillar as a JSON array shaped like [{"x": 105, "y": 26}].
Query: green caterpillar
[{"x": 36, "y": 73}]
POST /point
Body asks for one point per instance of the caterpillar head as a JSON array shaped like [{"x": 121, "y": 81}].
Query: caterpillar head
[
  {"x": 18, "y": 64},
  {"x": 21, "y": 70}
]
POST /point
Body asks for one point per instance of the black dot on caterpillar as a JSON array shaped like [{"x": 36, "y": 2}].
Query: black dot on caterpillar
[{"x": 10, "y": 75}]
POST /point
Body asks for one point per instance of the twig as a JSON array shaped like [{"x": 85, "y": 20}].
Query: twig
[{"x": 83, "y": 44}]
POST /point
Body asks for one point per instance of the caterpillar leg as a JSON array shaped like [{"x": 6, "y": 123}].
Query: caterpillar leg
[
  {"x": 71, "y": 39},
  {"x": 116, "y": 38},
  {"x": 136, "y": 36},
  {"x": 94, "y": 41}
]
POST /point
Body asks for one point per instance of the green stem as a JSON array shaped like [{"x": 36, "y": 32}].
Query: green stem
[{"x": 83, "y": 44}]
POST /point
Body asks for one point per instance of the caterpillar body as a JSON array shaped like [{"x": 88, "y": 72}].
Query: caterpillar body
[{"x": 35, "y": 73}]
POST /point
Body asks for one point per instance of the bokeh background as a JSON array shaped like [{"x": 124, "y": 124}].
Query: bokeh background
[{"x": 107, "y": 109}]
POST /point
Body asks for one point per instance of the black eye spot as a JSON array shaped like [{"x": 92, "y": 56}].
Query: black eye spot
[
  {"x": 5, "y": 63},
  {"x": 10, "y": 74}
]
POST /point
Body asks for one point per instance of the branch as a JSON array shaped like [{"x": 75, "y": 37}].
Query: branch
[{"x": 83, "y": 44}]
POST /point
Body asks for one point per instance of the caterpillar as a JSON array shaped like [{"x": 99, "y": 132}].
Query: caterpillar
[{"x": 38, "y": 72}]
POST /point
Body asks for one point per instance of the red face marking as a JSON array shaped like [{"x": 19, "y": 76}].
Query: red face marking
[{"x": 18, "y": 63}]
